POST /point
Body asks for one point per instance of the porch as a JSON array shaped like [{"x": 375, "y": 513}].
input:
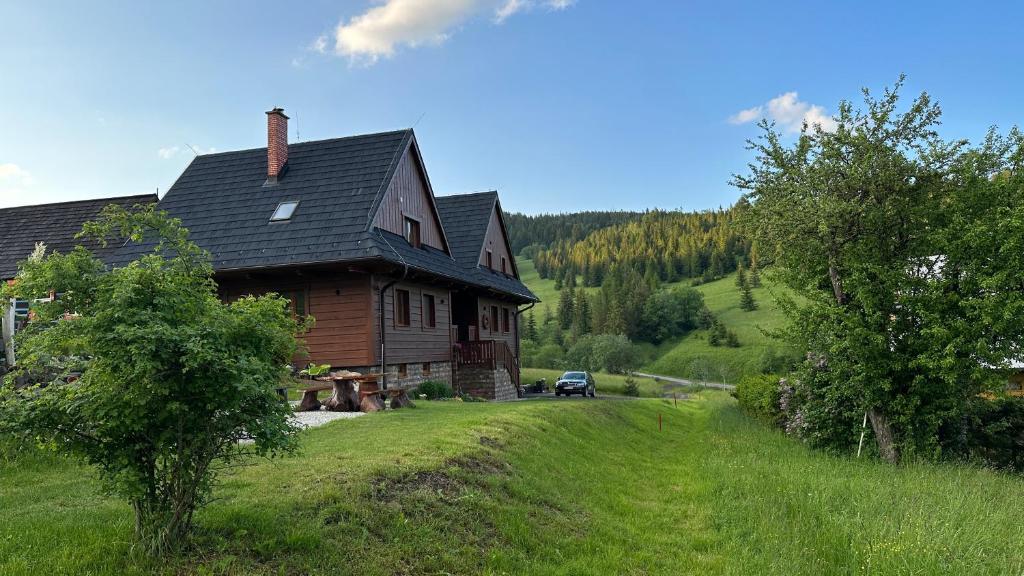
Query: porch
[{"x": 485, "y": 368}]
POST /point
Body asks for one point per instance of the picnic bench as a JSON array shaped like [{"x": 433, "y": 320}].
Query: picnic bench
[{"x": 345, "y": 398}]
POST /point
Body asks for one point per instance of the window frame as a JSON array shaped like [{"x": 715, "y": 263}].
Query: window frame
[
  {"x": 504, "y": 265},
  {"x": 295, "y": 208},
  {"x": 411, "y": 225},
  {"x": 432, "y": 311},
  {"x": 400, "y": 296},
  {"x": 490, "y": 260},
  {"x": 506, "y": 320},
  {"x": 494, "y": 319}
]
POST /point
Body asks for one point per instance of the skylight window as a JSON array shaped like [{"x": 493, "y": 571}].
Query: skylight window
[{"x": 284, "y": 211}]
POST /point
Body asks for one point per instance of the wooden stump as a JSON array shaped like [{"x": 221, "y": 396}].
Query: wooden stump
[
  {"x": 309, "y": 402},
  {"x": 399, "y": 399},
  {"x": 371, "y": 401},
  {"x": 344, "y": 397}
]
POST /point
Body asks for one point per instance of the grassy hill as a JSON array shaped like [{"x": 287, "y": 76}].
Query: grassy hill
[
  {"x": 539, "y": 487},
  {"x": 677, "y": 357}
]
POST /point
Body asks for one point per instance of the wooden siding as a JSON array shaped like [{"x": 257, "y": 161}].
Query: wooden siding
[
  {"x": 495, "y": 332},
  {"x": 415, "y": 343},
  {"x": 495, "y": 242},
  {"x": 341, "y": 305},
  {"x": 408, "y": 195}
]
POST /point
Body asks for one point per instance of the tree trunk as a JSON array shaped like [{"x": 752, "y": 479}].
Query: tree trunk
[
  {"x": 884, "y": 436},
  {"x": 400, "y": 399}
]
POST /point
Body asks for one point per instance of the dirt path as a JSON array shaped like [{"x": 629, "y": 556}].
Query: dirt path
[{"x": 684, "y": 382}]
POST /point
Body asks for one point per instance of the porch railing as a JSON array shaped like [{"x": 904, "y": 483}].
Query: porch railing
[{"x": 490, "y": 353}]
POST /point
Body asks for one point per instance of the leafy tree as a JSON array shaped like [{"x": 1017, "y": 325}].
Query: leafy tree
[
  {"x": 671, "y": 313},
  {"x": 170, "y": 378},
  {"x": 905, "y": 251}
]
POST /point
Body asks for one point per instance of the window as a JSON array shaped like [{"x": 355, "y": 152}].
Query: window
[
  {"x": 504, "y": 265},
  {"x": 412, "y": 232},
  {"x": 426, "y": 369},
  {"x": 490, "y": 260},
  {"x": 494, "y": 318},
  {"x": 429, "y": 311},
  {"x": 506, "y": 324},
  {"x": 284, "y": 211},
  {"x": 297, "y": 301},
  {"x": 401, "y": 307},
  {"x": 403, "y": 370}
]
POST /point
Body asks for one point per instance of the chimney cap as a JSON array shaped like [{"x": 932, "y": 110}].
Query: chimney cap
[{"x": 278, "y": 111}]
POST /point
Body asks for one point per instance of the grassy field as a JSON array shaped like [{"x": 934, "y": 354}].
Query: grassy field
[
  {"x": 676, "y": 357},
  {"x": 542, "y": 487},
  {"x": 607, "y": 383}
]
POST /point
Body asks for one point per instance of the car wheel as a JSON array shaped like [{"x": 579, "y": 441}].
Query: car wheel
[
  {"x": 593, "y": 393},
  {"x": 557, "y": 394}
]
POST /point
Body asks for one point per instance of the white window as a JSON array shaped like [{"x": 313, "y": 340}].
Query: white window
[{"x": 284, "y": 211}]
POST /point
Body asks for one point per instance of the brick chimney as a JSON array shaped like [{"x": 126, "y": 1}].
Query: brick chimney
[{"x": 277, "y": 143}]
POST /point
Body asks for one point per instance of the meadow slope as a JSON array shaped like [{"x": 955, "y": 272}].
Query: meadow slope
[{"x": 541, "y": 487}]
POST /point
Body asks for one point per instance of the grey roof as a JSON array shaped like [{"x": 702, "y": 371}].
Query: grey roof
[
  {"x": 224, "y": 201},
  {"x": 465, "y": 218},
  {"x": 54, "y": 225}
]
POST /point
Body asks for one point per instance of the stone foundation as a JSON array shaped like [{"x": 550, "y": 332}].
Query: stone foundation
[
  {"x": 415, "y": 374},
  {"x": 483, "y": 382}
]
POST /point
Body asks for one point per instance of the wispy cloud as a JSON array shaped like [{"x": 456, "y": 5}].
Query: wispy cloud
[
  {"x": 789, "y": 112},
  {"x": 15, "y": 183},
  {"x": 379, "y": 31},
  {"x": 169, "y": 152}
]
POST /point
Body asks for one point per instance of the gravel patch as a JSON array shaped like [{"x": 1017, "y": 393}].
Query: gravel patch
[{"x": 314, "y": 419}]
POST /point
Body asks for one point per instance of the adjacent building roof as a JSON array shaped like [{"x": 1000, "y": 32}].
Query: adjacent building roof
[
  {"x": 465, "y": 218},
  {"x": 55, "y": 225}
]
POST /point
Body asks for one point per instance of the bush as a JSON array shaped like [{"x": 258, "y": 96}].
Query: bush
[
  {"x": 993, "y": 433},
  {"x": 758, "y": 395},
  {"x": 546, "y": 356},
  {"x": 434, "y": 390},
  {"x": 596, "y": 352},
  {"x": 631, "y": 389}
]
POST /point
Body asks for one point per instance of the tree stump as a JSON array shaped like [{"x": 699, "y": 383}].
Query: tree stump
[
  {"x": 372, "y": 401},
  {"x": 400, "y": 399},
  {"x": 344, "y": 397},
  {"x": 309, "y": 402}
]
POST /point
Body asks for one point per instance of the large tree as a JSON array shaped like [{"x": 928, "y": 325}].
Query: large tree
[
  {"x": 899, "y": 246},
  {"x": 144, "y": 373}
]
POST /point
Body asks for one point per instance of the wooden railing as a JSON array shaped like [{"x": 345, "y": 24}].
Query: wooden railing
[{"x": 491, "y": 353}]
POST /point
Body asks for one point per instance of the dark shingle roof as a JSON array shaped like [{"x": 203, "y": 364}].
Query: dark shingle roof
[
  {"x": 465, "y": 218},
  {"x": 54, "y": 225},
  {"x": 223, "y": 201}
]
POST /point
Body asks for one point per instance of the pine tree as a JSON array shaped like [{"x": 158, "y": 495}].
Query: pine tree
[
  {"x": 747, "y": 301},
  {"x": 531, "y": 326},
  {"x": 741, "y": 275},
  {"x": 755, "y": 276},
  {"x": 581, "y": 315},
  {"x": 565, "y": 308}
]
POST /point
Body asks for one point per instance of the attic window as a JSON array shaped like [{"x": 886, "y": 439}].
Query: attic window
[{"x": 284, "y": 211}]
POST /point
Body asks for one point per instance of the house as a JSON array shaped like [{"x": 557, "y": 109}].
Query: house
[
  {"x": 350, "y": 231},
  {"x": 54, "y": 226}
]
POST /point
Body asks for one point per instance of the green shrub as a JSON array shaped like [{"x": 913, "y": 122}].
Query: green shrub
[
  {"x": 758, "y": 395},
  {"x": 993, "y": 433},
  {"x": 631, "y": 388},
  {"x": 434, "y": 390}
]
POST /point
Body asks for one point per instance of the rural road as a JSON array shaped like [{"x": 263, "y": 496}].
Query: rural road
[{"x": 685, "y": 382}]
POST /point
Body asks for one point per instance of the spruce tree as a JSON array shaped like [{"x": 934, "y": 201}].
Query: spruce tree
[
  {"x": 747, "y": 301},
  {"x": 581, "y": 315},
  {"x": 741, "y": 275},
  {"x": 565, "y": 307},
  {"x": 531, "y": 326}
]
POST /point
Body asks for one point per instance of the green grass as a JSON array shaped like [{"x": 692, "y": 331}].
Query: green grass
[
  {"x": 571, "y": 487},
  {"x": 723, "y": 299},
  {"x": 607, "y": 383},
  {"x": 675, "y": 357}
]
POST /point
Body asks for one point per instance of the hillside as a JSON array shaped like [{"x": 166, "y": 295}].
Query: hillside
[
  {"x": 676, "y": 357},
  {"x": 539, "y": 487}
]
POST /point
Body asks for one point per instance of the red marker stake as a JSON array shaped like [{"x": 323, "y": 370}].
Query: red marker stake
[{"x": 659, "y": 421}]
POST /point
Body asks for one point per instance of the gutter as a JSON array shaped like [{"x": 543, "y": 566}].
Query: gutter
[{"x": 380, "y": 301}]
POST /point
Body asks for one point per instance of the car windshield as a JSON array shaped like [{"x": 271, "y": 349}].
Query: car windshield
[{"x": 574, "y": 376}]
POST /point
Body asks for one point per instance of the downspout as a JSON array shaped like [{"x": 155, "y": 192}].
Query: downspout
[
  {"x": 519, "y": 334},
  {"x": 380, "y": 301}
]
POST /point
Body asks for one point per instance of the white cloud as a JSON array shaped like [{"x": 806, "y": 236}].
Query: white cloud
[
  {"x": 789, "y": 112},
  {"x": 168, "y": 152},
  {"x": 382, "y": 29},
  {"x": 14, "y": 184}
]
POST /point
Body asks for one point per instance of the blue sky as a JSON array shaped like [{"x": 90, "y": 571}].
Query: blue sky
[{"x": 561, "y": 105}]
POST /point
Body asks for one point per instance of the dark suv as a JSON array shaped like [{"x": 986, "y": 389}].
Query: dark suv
[{"x": 581, "y": 383}]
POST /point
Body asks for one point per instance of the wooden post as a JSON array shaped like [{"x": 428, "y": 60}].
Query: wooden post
[{"x": 659, "y": 421}]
